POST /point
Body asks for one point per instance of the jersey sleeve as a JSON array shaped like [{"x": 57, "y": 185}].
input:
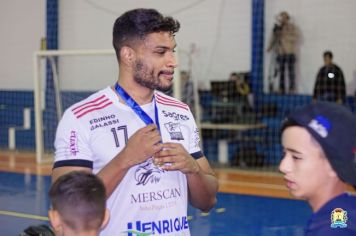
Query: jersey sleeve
[
  {"x": 71, "y": 144},
  {"x": 194, "y": 142}
]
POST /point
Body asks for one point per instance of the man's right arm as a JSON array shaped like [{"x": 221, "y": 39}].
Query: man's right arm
[
  {"x": 141, "y": 145},
  {"x": 271, "y": 42},
  {"x": 111, "y": 174},
  {"x": 341, "y": 87},
  {"x": 59, "y": 171}
]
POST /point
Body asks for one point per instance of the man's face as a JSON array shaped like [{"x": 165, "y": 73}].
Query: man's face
[
  {"x": 304, "y": 165},
  {"x": 155, "y": 61},
  {"x": 283, "y": 17},
  {"x": 327, "y": 60}
]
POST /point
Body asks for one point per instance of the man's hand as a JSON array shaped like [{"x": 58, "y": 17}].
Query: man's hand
[
  {"x": 173, "y": 156},
  {"x": 202, "y": 182},
  {"x": 142, "y": 145}
]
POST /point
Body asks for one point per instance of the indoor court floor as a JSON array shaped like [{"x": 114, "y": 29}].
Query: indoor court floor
[{"x": 249, "y": 203}]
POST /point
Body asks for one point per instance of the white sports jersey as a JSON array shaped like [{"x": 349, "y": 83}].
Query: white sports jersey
[{"x": 148, "y": 199}]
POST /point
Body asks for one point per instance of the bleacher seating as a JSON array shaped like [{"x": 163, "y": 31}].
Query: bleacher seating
[{"x": 271, "y": 110}]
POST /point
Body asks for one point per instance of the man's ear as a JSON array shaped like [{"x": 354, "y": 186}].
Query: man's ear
[
  {"x": 106, "y": 218},
  {"x": 127, "y": 55},
  {"x": 55, "y": 220}
]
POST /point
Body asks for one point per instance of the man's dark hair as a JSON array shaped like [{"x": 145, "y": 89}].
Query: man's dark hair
[
  {"x": 80, "y": 199},
  {"x": 136, "y": 24},
  {"x": 328, "y": 54}
]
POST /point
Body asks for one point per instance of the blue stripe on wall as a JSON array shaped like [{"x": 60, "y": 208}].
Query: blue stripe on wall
[
  {"x": 52, "y": 43},
  {"x": 257, "y": 45}
]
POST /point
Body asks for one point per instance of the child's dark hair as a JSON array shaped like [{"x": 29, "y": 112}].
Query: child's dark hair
[{"x": 80, "y": 199}]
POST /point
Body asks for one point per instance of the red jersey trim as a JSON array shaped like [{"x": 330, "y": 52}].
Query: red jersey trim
[
  {"x": 96, "y": 104},
  {"x": 93, "y": 101},
  {"x": 94, "y": 109},
  {"x": 170, "y": 102}
]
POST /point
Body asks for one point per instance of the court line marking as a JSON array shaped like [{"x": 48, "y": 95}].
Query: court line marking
[
  {"x": 249, "y": 184},
  {"x": 24, "y": 215}
]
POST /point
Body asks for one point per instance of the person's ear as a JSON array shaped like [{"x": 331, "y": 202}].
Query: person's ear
[
  {"x": 127, "y": 55},
  {"x": 55, "y": 220},
  {"x": 106, "y": 218}
]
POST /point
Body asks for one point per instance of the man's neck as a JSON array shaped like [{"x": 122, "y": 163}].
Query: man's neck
[{"x": 140, "y": 94}]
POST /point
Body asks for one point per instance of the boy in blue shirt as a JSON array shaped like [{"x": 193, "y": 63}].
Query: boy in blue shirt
[
  {"x": 78, "y": 203},
  {"x": 319, "y": 142}
]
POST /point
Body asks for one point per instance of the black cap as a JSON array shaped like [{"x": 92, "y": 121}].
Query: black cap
[{"x": 334, "y": 127}]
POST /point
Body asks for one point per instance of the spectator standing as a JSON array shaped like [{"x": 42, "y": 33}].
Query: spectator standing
[
  {"x": 283, "y": 42},
  {"x": 330, "y": 82}
]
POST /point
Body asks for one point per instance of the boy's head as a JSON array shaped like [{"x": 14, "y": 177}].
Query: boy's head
[
  {"x": 78, "y": 202},
  {"x": 319, "y": 142}
]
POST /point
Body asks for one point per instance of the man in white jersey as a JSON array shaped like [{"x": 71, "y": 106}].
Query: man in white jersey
[{"x": 143, "y": 144}]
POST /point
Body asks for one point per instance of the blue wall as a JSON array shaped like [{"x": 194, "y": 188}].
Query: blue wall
[{"x": 12, "y": 104}]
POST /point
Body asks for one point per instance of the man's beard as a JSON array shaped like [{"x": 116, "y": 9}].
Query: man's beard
[{"x": 145, "y": 77}]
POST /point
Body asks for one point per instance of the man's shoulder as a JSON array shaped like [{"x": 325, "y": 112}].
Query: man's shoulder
[
  {"x": 94, "y": 101},
  {"x": 165, "y": 100},
  {"x": 336, "y": 67},
  {"x": 323, "y": 68}
]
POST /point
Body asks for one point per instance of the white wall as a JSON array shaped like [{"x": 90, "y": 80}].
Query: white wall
[
  {"x": 324, "y": 25},
  {"x": 219, "y": 30},
  {"x": 22, "y": 24}
]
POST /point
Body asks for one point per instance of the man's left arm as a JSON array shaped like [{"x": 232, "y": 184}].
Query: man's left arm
[
  {"x": 202, "y": 182},
  {"x": 341, "y": 87},
  {"x": 202, "y": 186}
]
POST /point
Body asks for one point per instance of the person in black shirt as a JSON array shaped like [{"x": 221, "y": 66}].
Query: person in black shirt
[{"x": 330, "y": 82}]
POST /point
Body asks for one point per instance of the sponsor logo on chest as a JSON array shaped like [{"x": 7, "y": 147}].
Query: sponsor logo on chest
[
  {"x": 175, "y": 116},
  {"x": 174, "y": 131}
]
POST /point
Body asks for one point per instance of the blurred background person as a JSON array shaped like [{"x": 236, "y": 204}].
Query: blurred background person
[
  {"x": 243, "y": 90},
  {"x": 283, "y": 43},
  {"x": 242, "y": 87},
  {"x": 330, "y": 82}
]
